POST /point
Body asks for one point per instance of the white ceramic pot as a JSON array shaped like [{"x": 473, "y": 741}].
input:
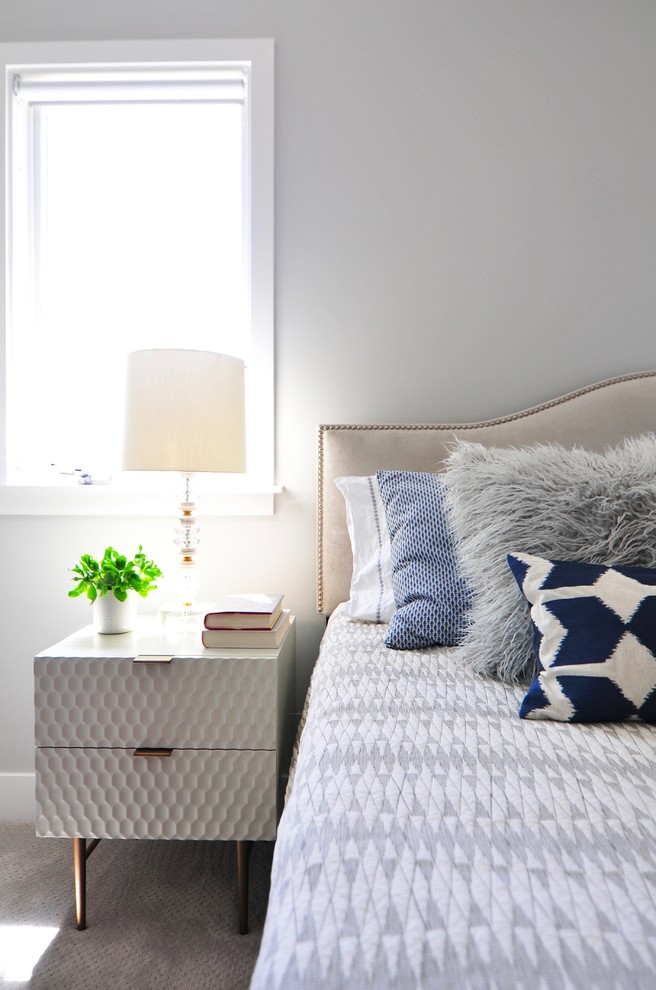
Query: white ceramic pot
[{"x": 112, "y": 616}]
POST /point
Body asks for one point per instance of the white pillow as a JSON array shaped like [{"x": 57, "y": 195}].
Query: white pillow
[{"x": 372, "y": 598}]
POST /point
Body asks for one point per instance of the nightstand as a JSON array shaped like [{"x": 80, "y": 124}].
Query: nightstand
[{"x": 148, "y": 735}]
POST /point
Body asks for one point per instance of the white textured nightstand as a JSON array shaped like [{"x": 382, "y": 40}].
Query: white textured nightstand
[{"x": 150, "y": 735}]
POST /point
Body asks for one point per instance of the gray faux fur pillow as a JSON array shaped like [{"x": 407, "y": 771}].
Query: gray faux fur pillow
[{"x": 548, "y": 500}]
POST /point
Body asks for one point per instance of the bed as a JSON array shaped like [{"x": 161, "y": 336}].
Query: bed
[{"x": 431, "y": 838}]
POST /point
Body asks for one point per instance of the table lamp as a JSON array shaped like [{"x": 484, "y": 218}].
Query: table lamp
[{"x": 185, "y": 412}]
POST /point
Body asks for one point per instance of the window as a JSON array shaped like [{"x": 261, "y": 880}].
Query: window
[{"x": 138, "y": 214}]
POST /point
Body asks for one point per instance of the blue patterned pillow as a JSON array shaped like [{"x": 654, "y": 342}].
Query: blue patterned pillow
[
  {"x": 594, "y": 634},
  {"x": 431, "y": 596}
]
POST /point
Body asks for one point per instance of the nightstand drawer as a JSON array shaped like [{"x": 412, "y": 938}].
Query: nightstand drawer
[
  {"x": 191, "y": 794},
  {"x": 213, "y": 703}
]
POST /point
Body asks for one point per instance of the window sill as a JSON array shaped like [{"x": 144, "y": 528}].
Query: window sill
[{"x": 101, "y": 500}]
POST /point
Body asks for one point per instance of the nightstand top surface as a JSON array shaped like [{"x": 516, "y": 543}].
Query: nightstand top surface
[{"x": 150, "y": 637}]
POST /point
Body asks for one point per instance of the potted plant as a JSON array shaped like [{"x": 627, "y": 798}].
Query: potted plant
[{"x": 108, "y": 584}]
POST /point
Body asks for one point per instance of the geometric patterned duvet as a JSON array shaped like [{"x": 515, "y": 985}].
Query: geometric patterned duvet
[{"x": 432, "y": 839}]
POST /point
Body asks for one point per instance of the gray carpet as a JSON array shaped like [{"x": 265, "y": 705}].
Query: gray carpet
[{"x": 160, "y": 915}]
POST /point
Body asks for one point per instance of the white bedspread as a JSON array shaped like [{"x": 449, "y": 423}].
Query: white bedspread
[{"x": 433, "y": 839}]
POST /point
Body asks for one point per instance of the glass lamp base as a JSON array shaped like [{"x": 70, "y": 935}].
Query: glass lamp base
[{"x": 175, "y": 616}]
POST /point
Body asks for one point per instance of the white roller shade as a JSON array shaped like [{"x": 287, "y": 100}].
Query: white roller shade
[{"x": 43, "y": 87}]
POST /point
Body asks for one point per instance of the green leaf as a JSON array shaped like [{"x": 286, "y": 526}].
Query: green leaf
[{"x": 114, "y": 573}]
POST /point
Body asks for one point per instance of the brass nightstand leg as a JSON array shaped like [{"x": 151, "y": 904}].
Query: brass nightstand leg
[
  {"x": 80, "y": 875},
  {"x": 81, "y": 853},
  {"x": 244, "y": 848}
]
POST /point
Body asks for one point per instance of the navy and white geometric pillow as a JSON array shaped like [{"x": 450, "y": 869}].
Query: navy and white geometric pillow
[
  {"x": 432, "y": 598},
  {"x": 594, "y": 634}
]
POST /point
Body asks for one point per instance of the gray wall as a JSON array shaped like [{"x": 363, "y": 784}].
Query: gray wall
[{"x": 465, "y": 226}]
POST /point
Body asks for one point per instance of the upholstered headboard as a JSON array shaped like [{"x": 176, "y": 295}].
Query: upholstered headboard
[{"x": 594, "y": 417}]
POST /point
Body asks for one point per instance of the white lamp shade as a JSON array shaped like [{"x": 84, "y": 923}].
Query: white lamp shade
[{"x": 185, "y": 412}]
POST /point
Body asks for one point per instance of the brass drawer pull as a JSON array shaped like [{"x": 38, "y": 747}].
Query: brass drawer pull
[
  {"x": 153, "y": 658},
  {"x": 153, "y": 751}
]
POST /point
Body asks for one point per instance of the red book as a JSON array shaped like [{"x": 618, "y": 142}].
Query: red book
[
  {"x": 248, "y": 639},
  {"x": 256, "y": 611}
]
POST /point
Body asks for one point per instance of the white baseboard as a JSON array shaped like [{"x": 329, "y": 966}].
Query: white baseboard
[{"x": 17, "y": 803}]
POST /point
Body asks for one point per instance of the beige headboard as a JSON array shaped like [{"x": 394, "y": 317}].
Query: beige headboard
[{"x": 593, "y": 417}]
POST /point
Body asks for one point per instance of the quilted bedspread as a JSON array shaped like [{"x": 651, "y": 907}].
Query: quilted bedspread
[{"x": 433, "y": 839}]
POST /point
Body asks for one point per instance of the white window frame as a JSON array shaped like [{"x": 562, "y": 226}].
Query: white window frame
[{"x": 255, "y": 494}]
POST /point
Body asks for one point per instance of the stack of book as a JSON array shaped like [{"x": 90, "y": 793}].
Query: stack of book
[{"x": 247, "y": 622}]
